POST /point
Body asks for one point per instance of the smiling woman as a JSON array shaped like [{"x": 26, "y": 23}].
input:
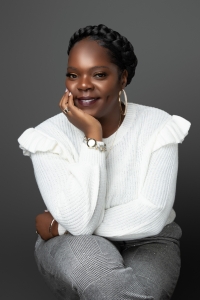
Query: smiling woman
[
  {"x": 109, "y": 231},
  {"x": 95, "y": 82}
]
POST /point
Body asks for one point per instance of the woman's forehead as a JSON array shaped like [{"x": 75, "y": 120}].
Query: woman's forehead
[{"x": 88, "y": 52}]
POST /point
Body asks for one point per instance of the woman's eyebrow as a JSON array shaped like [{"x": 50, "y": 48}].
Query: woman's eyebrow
[{"x": 95, "y": 67}]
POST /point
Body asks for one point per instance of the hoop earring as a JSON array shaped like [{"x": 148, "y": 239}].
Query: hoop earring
[{"x": 125, "y": 103}]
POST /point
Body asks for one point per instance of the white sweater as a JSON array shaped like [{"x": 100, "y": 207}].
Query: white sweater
[{"x": 127, "y": 195}]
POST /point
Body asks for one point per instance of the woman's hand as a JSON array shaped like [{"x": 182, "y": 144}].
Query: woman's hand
[
  {"x": 83, "y": 121},
  {"x": 43, "y": 222}
]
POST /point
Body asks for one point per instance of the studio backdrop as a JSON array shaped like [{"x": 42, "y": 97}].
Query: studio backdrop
[{"x": 34, "y": 41}]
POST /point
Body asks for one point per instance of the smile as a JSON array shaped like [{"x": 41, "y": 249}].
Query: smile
[{"x": 87, "y": 102}]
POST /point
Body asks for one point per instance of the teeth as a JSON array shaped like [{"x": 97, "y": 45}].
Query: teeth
[{"x": 89, "y": 100}]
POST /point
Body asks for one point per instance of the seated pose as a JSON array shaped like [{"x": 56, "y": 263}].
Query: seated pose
[{"x": 106, "y": 169}]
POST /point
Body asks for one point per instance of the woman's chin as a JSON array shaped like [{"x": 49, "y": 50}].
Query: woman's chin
[
  {"x": 90, "y": 110},
  {"x": 92, "y": 113}
]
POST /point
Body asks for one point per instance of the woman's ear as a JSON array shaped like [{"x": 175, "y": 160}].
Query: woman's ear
[{"x": 124, "y": 77}]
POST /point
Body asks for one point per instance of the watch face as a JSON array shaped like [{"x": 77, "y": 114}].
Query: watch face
[{"x": 91, "y": 143}]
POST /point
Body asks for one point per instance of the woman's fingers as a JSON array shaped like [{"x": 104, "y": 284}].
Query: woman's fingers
[
  {"x": 76, "y": 116},
  {"x": 64, "y": 101},
  {"x": 70, "y": 100},
  {"x": 68, "y": 103}
]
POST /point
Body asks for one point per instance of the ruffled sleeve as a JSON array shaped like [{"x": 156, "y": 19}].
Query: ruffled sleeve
[
  {"x": 173, "y": 132},
  {"x": 32, "y": 140},
  {"x": 72, "y": 184}
]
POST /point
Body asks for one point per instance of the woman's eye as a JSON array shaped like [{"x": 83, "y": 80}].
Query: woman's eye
[
  {"x": 71, "y": 75},
  {"x": 100, "y": 75}
]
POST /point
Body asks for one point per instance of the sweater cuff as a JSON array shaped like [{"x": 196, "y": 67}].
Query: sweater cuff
[
  {"x": 61, "y": 230},
  {"x": 92, "y": 156}
]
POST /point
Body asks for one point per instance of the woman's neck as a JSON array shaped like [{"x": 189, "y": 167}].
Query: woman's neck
[{"x": 111, "y": 126}]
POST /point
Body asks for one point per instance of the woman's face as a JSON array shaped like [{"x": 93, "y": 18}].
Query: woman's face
[{"x": 94, "y": 80}]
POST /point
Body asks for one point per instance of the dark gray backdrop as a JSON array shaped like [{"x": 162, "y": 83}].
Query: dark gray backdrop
[{"x": 34, "y": 39}]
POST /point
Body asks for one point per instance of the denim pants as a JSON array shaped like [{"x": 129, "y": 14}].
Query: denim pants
[{"x": 90, "y": 267}]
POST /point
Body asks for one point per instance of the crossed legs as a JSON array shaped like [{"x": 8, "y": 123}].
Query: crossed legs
[{"x": 93, "y": 268}]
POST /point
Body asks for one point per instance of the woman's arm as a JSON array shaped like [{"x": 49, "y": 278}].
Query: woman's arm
[
  {"x": 74, "y": 193},
  {"x": 146, "y": 215},
  {"x": 73, "y": 188}
]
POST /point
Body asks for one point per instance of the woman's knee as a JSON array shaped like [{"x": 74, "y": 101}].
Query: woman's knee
[
  {"x": 53, "y": 256},
  {"x": 74, "y": 255}
]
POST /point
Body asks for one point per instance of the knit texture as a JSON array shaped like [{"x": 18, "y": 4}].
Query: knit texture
[{"x": 128, "y": 195}]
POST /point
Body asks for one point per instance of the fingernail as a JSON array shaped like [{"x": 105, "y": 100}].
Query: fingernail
[
  {"x": 66, "y": 90},
  {"x": 70, "y": 94}
]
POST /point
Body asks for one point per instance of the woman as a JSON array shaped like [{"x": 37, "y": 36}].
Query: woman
[{"x": 107, "y": 173}]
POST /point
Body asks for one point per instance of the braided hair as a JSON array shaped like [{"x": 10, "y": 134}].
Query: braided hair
[{"x": 120, "y": 49}]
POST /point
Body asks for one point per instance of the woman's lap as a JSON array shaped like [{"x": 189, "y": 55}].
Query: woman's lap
[{"x": 91, "y": 267}]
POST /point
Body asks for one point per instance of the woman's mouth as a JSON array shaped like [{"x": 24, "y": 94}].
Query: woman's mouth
[{"x": 87, "y": 101}]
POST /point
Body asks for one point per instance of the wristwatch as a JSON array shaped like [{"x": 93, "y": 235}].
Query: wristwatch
[{"x": 93, "y": 144}]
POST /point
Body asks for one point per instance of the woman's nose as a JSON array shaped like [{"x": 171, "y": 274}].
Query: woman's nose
[{"x": 84, "y": 83}]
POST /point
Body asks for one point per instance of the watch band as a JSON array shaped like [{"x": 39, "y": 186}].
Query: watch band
[{"x": 93, "y": 144}]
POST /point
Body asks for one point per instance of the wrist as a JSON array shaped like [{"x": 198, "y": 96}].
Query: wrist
[{"x": 97, "y": 135}]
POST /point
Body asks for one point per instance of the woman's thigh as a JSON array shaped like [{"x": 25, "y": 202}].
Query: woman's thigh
[
  {"x": 87, "y": 267},
  {"x": 156, "y": 261},
  {"x": 69, "y": 264}
]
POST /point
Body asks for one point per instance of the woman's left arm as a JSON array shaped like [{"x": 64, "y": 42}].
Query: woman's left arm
[{"x": 146, "y": 215}]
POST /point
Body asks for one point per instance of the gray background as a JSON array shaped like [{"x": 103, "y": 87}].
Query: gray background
[{"x": 34, "y": 39}]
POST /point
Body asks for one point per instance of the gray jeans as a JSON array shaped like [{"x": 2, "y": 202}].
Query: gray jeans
[{"x": 94, "y": 268}]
